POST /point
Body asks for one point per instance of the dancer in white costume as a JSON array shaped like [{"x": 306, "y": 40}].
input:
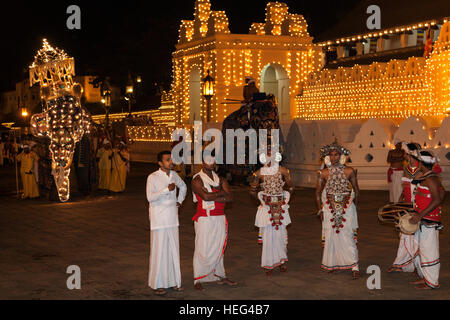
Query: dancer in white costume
[
  {"x": 211, "y": 227},
  {"x": 337, "y": 196},
  {"x": 272, "y": 216},
  {"x": 164, "y": 271}
]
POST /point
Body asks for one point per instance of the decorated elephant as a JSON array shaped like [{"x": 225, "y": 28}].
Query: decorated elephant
[
  {"x": 261, "y": 113},
  {"x": 64, "y": 121}
]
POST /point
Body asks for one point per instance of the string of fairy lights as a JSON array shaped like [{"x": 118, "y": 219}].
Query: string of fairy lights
[
  {"x": 398, "y": 89},
  {"x": 231, "y": 58}
]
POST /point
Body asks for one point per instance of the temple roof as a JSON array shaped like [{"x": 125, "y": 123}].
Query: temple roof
[{"x": 393, "y": 14}]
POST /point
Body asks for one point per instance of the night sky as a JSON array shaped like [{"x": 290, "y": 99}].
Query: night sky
[{"x": 121, "y": 36}]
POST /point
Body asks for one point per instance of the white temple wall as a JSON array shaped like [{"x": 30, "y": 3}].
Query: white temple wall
[{"x": 369, "y": 142}]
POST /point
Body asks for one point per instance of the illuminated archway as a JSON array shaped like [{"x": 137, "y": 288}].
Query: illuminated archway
[{"x": 275, "y": 80}]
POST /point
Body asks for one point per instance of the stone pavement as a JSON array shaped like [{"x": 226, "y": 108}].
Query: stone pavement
[{"x": 108, "y": 238}]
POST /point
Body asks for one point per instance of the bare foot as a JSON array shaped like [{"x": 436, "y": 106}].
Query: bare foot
[
  {"x": 178, "y": 289},
  {"x": 355, "y": 274},
  {"x": 283, "y": 268},
  {"x": 227, "y": 282},
  {"x": 395, "y": 269},
  {"x": 420, "y": 281},
  {"x": 198, "y": 286},
  {"x": 160, "y": 292},
  {"x": 423, "y": 287}
]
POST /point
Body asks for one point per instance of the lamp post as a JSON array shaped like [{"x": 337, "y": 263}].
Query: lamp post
[
  {"x": 208, "y": 93},
  {"x": 24, "y": 113},
  {"x": 107, "y": 105},
  {"x": 129, "y": 96},
  {"x": 105, "y": 91}
]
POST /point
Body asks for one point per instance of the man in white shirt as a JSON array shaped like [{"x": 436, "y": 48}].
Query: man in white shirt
[{"x": 163, "y": 211}]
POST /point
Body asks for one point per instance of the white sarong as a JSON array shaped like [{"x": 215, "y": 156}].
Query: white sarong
[
  {"x": 274, "y": 246},
  {"x": 210, "y": 243},
  {"x": 408, "y": 250},
  {"x": 427, "y": 262},
  {"x": 164, "y": 259},
  {"x": 395, "y": 186},
  {"x": 274, "y": 242},
  {"x": 340, "y": 251}
]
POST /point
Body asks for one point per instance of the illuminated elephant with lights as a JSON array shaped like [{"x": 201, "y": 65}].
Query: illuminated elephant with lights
[{"x": 64, "y": 122}]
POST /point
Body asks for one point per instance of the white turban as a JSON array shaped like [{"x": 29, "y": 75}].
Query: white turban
[{"x": 209, "y": 160}]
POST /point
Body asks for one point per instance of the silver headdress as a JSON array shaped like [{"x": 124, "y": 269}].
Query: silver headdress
[{"x": 335, "y": 146}]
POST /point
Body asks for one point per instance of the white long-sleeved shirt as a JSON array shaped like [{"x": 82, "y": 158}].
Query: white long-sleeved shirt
[{"x": 163, "y": 210}]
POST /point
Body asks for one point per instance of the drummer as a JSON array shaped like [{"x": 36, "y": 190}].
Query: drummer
[
  {"x": 429, "y": 196},
  {"x": 408, "y": 247}
]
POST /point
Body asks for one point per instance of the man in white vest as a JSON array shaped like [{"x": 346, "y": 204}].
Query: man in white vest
[{"x": 165, "y": 269}]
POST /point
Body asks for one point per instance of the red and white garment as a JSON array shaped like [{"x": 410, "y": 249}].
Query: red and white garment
[
  {"x": 428, "y": 260},
  {"x": 211, "y": 229}
]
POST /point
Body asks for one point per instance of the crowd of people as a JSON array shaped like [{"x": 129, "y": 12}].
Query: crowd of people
[
  {"x": 337, "y": 199},
  {"x": 97, "y": 164}
]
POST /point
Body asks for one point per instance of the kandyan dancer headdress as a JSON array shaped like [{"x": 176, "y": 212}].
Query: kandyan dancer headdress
[{"x": 335, "y": 146}]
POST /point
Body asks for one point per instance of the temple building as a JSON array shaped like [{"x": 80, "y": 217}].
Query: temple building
[
  {"x": 278, "y": 53},
  {"x": 365, "y": 88}
]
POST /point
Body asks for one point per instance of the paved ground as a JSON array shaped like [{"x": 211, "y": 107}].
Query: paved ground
[{"x": 109, "y": 239}]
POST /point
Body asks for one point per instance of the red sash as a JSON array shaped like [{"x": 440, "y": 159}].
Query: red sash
[{"x": 219, "y": 209}]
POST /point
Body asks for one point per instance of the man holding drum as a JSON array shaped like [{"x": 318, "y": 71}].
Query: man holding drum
[
  {"x": 408, "y": 248},
  {"x": 428, "y": 197}
]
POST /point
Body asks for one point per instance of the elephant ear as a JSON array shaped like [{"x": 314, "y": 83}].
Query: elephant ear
[{"x": 39, "y": 125}]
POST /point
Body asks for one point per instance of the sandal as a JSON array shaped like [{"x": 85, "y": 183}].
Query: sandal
[
  {"x": 178, "y": 289},
  {"x": 355, "y": 274},
  {"x": 160, "y": 292},
  {"x": 283, "y": 268},
  {"x": 394, "y": 269},
  {"x": 199, "y": 287},
  {"x": 227, "y": 282}
]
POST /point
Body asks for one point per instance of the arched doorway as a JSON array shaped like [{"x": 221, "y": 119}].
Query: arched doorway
[
  {"x": 195, "y": 102},
  {"x": 275, "y": 80}
]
